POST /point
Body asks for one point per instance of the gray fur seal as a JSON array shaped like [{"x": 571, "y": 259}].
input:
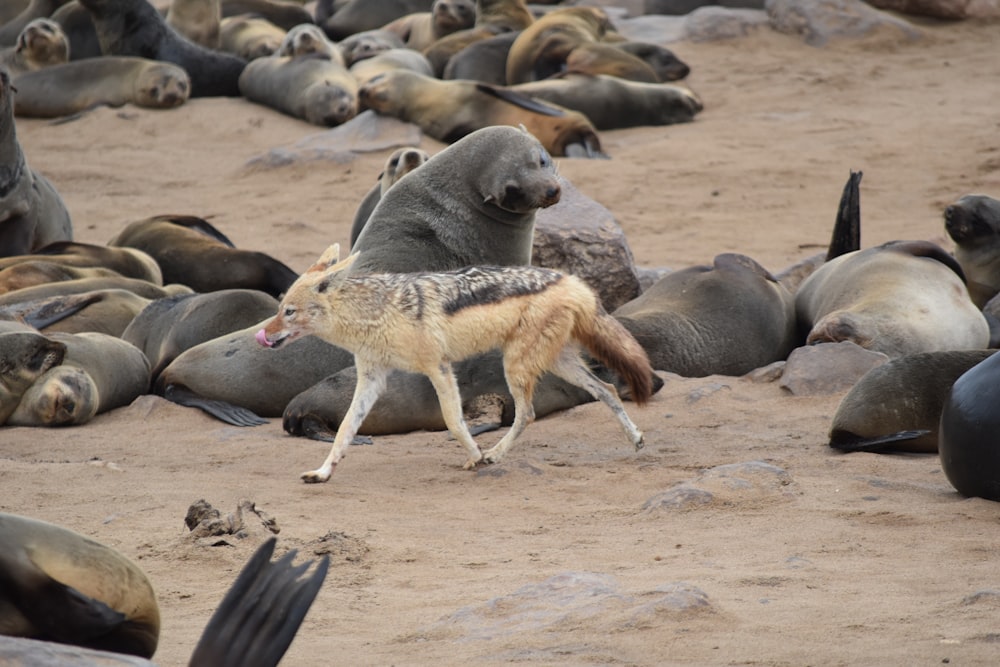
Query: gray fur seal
[
  {"x": 113, "y": 81},
  {"x": 401, "y": 162},
  {"x": 421, "y": 29},
  {"x": 343, "y": 18},
  {"x": 727, "y": 319},
  {"x": 898, "y": 298},
  {"x": 42, "y": 43},
  {"x": 26, "y": 355},
  {"x": 32, "y": 213},
  {"x": 314, "y": 88},
  {"x": 973, "y": 223},
  {"x": 967, "y": 443},
  {"x": 135, "y": 28},
  {"x": 309, "y": 39},
  {"x": 366, "y": 69}
]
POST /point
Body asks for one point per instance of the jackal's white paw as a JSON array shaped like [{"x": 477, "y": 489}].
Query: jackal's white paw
[
  {"x": 640, "y": 442},
  {"x": 472, "y": 463},
  {"x": 492, "y": 456},
  {"x": 317, "y": 476}
]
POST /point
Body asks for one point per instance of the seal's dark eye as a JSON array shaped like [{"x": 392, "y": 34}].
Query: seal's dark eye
[{"x": 545, "y": 160}]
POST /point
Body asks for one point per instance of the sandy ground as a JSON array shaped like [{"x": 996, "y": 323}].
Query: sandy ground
[{"x": 568, "y": 552}]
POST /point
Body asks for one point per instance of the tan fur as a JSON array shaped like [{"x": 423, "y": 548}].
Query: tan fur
[
  {"x": 198, "y": 20},
  {"x": 40, "y": 44},
  {"x": 568, "y": 27},
  {"x": 250, "y": 37},
  {"x": 423, "y": 322}
]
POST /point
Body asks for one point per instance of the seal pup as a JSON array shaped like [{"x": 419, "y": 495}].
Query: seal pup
[
  {"x": 98, "y": 373},
  {"x": 32, "y": 213},
  {"x": 725, "y": 319},
  {"x": 191, "y": 251},
  {"x": 449, "y": 110},
  {"x": 493, "y": 17},
  {"x": 561, "y": 29},
  {"x": 973, "y": 223},
  {"x": 898, "y": 298},
  {"x": 401, "y": 162},
  {"x": 314, "y": 88},
  {"x": 60, "y": 586},
  {"x": 25, "y": 355},
  {"x": 308, "y": 39},
  {"x": 249, "y": 37},
  {"x": 538, "y": 318},
  {"x": 36, "y": 9},
  {"x": 42, "y": 43},
  {"x": 197, "y": 20},
  {"x": 614, "y": 103},
  {"x": 896, "y": 407},
  {"x": 135, "y": 28},
  {"x": 113, "y": 81},
  {"x": 967, "y": 443},
  {"x": 421, "y": 29},
  {"x": 340, "y": 19}
]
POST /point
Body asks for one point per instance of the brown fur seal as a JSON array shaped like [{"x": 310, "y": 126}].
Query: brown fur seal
[
  {"x": 308, "y": 39},
  {"x": 38, "y": 272},
  {"x": 449, "y": 110},
  {"x": 36, "y": 9},
  {"x": 343, "y": 19},
  {"x": 663, "y": 61},
  {"x": 98, "y": 373},
  {"x": 368, "y": 44},
  {"x": 82, "y": 85},
  {"x": 285, "y": 15},
  {"x": 727, "y": 319},
  {"x": 107, "y": 311},
  {"x": 198, "y": 20},
  {"x": 898, "y": 298},
  {"x": 79, "y": 285},
  {"x": 613, "y": 103},
  {"x": 493, "y": 17},
  {"x": 401, "y": 162},
  {"x": 135, "y": 28},
  {"x": 973, "y": 223},
  {"x": 26, "y": 355},
  {"x": 192, "y": 252},
  {"x": 75, "y": 21},
  {"x": 315, "y": 89},
  {"x": 42, "y": 43},
  {"x": 366, "y": 69},
  {"x": 484, "y": 60},
  {"x": 421, "y": 29},
  {"x": 559, "y": 30},
  {"x": 967, "y": 444},
  {"x": 58, "y": 585},
  {"x": 128, "y": 262},
  {"x": 896, "y": 407},
  {"x": 32, "y": 213},
  {"x": 250, "y": 37}
]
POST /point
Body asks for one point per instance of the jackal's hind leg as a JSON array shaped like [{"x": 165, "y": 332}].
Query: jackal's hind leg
[
  {"x": 524, "y": 412},
  {"x": 443, "y": 379},
  {"x": 371, "y": 383},
  {"x": 572, "y": 368}
]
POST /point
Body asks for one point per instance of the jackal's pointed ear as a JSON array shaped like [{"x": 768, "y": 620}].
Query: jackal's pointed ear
[
  {"x": 329, "y": 257},
  {"x": 343, "y": 264}
]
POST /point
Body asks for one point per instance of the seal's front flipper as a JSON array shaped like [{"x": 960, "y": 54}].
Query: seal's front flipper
[
  {"x": 227, "y": 412},
  {"x": 848, "y": 442}
]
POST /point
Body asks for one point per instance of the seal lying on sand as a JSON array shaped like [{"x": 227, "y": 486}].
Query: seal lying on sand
[
  {"x": 312, "y": 87},
  {"x": 26, "y": 356}
]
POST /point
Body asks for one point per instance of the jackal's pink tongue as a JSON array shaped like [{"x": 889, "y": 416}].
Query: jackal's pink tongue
[{"x": 262, "y": 339}]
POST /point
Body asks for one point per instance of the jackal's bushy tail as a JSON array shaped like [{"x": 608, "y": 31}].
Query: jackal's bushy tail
[{"x": 613, "y": 345}]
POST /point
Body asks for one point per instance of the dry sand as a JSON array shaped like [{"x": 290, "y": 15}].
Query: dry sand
[{"x": 554, "y": 557}]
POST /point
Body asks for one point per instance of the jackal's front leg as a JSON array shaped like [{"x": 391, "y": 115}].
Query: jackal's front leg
[
  {"x": 371, "y": 382},
  {"x": 443, "y": 379}
]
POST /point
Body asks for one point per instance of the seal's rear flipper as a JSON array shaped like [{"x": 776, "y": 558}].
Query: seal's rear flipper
[
  {"x": 259, "y": 616},
  {"x": 227, "y": 412},
  {"x": 848, "y": 442},
  {"x": 847, "y": 227}
]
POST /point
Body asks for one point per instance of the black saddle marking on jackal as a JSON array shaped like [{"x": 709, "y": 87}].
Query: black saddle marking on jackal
[{"x": 479, "y": 286}]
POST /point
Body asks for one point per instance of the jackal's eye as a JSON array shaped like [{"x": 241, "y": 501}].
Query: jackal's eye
[{"x": 289, "y": 311}]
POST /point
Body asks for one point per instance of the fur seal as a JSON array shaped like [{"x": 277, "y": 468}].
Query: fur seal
[
  {"x": 98, "y": 373},
  {"x": 197, "y": 20},
  {"x": 190, "y": 251},
  {"x": 896, "y": 407},
  {"x": 313, "y": 88},
  {"x": 368, "y": 44},
  {"x": 725, "y": 319},
  {"x": 76, "y": 23},
  {"x": 127, "y": 262},
  {"x": 36, "y": 9},
  {"x": 285, "y": 15},
  {"x": 898, "y": 298},
  {"x": 342, "y": 19},
  {"x": 967, "y": 443},
  {"x": 42, "y": 43},
  {"x": 613, "y": 103},
  {"x": 973, "y": 223},
  {"x": 249, "y": 37},
  {"x": 557, "y": 32},
  {"x": 366, "y": 69},
  {"x": 401, "y": 162},
  {"x": 80, "y": 285},
  {"x": 449, "y": 110},
  {"x": 308, "y": 39},
  {"x": 32, "y": 213},
  {"x": 135, "y": 28},
  {"x": 26, "y": 355},
  {"x": 493, "y": 17},
  {"x": 60, "y": 586},
  {"x": 106, "y": 311},
  {"x": 37, "y": 272},
  {"x": 81, "y": 85},
  {"x": 484, "y": 60},
  {"x": 421, "y": 29}
]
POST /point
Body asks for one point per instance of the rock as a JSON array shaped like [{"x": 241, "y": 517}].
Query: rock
[
  {"x": 827, "y": 368},
  {"x": 819, "y": 21},
  {"x": 709, "y": 24},
  {"x": 942, "y": 9}
]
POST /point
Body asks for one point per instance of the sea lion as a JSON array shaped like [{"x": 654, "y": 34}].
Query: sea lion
[
  {"x": 401, "y": 162},
  {"x": 82, "y": 85},
  {"x": 484, "y": 60},
  {"x": 368, "y": 44},
  {"x": 366, "y": 69},
  {"x": 967, "y": 442},
  {"x": 725, "y": 319},
  {"x": 973, "y": 223},
  {"x": 316, "y": 89},
  {"x": 128, "y": 262},
  {"x": 98, "y": 373},
  {"x": 198, "y": 20},
  {"x": 613, "y": 103},
  {"x": 341, "y": 20},
  {"x": 249, "y": 37},
  {"x": 896, "y": 407},
  {"x": 25, "y": 355},
  {"x": 32, "y": 213},
  {"x": 285, "y": 15},
  {"x": 898, "y": 298},
  {"x": 60, "y": 586},
  {"x": 472, "y": 203},
  {"x": 308, "y": 39},
  {"x": 449, "y": 110},
  {"x": 40, "y": 44},
  {"x": 558, "y": 31},
  {"x": 190, "y": 251},
  {"x": 135, "y": 28},
  {"x": 421, "y": 29}
]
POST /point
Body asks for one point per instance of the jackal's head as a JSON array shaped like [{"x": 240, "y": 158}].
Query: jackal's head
[{"x": 307, "y": 300}]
